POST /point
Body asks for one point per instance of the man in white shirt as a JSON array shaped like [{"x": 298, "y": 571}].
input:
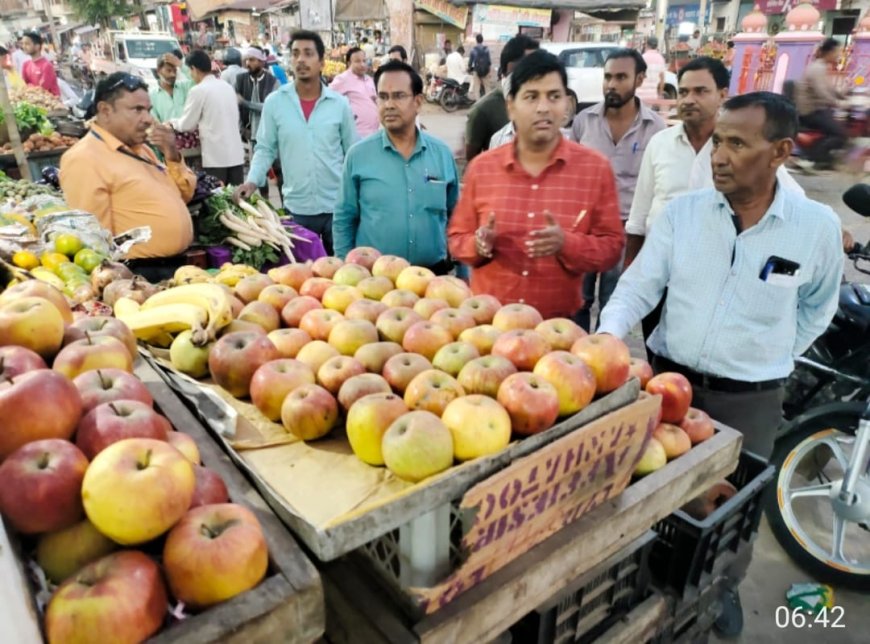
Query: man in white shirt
[
  {"x": 456, "y": 66},
  {"x": 19, "y": 57},
  {"x": 213, "y": 108}
]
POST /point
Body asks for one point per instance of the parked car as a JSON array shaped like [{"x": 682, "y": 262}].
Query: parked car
[
  {"x": 135, "y": 53},
  {"x": 584, "y": 62}
]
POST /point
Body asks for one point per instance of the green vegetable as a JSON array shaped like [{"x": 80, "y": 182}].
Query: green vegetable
[
  {"x": 30, "y": 117},
  {"x": 211, "y": 232}
]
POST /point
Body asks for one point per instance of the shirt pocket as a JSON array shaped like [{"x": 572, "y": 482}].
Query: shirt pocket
[
  {"x": 435, "y": 197},
  {"x": 773, "y": 303}
]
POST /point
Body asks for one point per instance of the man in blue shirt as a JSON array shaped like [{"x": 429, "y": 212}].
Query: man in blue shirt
[
  {"x": 753, "y": 273},
  {"x": 312, "y": 128},
  {"x": 399, "y": 184}
]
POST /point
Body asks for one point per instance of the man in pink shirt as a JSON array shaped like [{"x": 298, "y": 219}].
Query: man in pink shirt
[
  {"x": 358, "y": 88},
  {"x": 656, "y": 66},
  {"x": 38, "y": 70}
]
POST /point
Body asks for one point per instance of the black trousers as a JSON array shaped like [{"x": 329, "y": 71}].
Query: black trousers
[
  {"x": 835, "y": 134},
  {"x": 649, "y": 324},
  {"x": 232, "y": 176},
  {"x": 320, "y": 224}
]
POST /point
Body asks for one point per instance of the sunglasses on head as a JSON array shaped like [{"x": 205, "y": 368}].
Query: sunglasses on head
[{"x": 130, "y": 83}]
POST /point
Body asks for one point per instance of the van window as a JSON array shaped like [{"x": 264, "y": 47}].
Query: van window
[{"x": 146, "y": 48}]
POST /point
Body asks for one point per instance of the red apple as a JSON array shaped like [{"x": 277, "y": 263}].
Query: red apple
[
  {"x": 349, "y": 335},
  {"x": 241, "y": 326},
  {"x": 319, "y": 322},
  {"x": 432, "y": 391},
  {"x": 447, "y": 287},
  {"x": 483, "y": 337},
  {"x": 640, "y": 369},
  {"x": 454, "y": 320},
  {"x": 452, "y": 357},
  {"x": 38, "y": 288},
  {"x": 374, "y": 356},
  {"x": 393, "y": 323},
  {"x": 316, "y": 286},
  {"x": 698, "y": 426},
  {"x": 573, "y": 380},
  {"x": 560, "y": 333},
  {"x": 400, "y": 297},
  {"x": 292, "y": 275},
  {"x": 402, "y": 368},
  {"x": 235, "y": 357},
  {"x": 676, "y": 393},
  {"x": 111, "y": 422},
  {"x": 274, "y": 380},
  {"x": 33, "y": 323},
  {"x": 389, "y": 266},
  {"x": 426, "y": 307},
  {"x": 105, "y": 385},
  {"x": 40, "y": 486},
  {"x": 335, "y": 371},
  {"x": 289, "y": 341},
  {"x": 426, "y": 338},
  {"x": 309, "y": 412},
  {"x": 103, "y": 352},
  {"x": 415, "y": 279},
  {"x": 210, "y": 487},
  {"x": 365, "y": 310},
  {"x": 675, "y": 441},
  {"x": 237, "y": 305},
  {"x": 359, "y": 386},
  {"x": 484, "y": 375},
  {"x": 364, "y": 256},
  {"x": 482, "y": 308},
  {"x": 607, "y": 356},
  {"x": 296, "y": 308},
  {"x": 277, "y": 296},
  {"x": 522, "y": 347},
  {"x": 261, "y": 314},
  {"x": 101, "y": 325},
  {"x": 531, "y": 401},
  {"x": 248, "y": 288},
  {"x": 326, "y": 266},
  {"x": 516, "y": 316},
  {"x": 15, "y": 360}
]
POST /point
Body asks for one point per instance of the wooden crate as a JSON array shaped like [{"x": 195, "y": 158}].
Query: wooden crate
[{"x": 287, "y": 606}]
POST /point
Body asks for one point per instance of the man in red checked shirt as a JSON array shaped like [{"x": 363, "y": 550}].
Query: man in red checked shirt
[{"x": 534, "y": 216}]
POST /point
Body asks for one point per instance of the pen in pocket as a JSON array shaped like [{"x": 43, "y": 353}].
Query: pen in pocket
[{"x": 579, "y": 219}]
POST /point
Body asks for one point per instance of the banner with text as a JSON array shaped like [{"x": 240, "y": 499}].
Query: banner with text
[
  {"x": 451, "y": 13},
  {"x": 500, "y": 22},
  {"x": 775, "y": 7}
]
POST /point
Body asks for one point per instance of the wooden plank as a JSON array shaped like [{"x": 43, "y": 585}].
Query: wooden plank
[{"x": 640, "y": 624}]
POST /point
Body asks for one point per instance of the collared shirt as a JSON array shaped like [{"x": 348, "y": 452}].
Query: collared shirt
[
  {"x": 456, "y": 67},
  {"x": 592, "y": 128},
  {"x": 363, "y": 100},
  {"x": 312, "y": 150},
  {"x": 577, "y": 188},
  {"x": 231, "y": 73},
  {"x": 720, "y": 316},
  {"x": 166, "y": 106},
  {"x": 486, "y": 117},
  {"x": 507, "y": 135},
  {"x": 399, "y": 206},
  {"x": 671, "y": 167},
  {"x": 124, "y": 192},
  {"x": 40, "y": 72},
  {"x": 213, "y": 108}
]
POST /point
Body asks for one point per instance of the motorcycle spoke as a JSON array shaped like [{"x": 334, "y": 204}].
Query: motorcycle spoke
[
  {"x": 839, "y": 454},
  {"x": 811, "y": 490},
  {"x": 839, "y": 536}
]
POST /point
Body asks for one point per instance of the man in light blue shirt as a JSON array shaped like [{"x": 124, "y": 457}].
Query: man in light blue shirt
[
  {"x": 399, "y": 184},
  {"x": 312, "y": 128}
]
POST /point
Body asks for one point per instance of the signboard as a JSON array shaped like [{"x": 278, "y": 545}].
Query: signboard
[
  {"x": 501, "y": 22},
  {"x": 315, "y": 15},
  {"x": 451, "y": 13},
  {"x": 689, "y": 13},
  {"x": 775, "y": 7}
]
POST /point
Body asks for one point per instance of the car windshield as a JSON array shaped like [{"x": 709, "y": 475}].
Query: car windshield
[{"x": 149, "y": 48}]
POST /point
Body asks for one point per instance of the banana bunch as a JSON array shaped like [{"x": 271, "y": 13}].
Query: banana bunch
[
  {"x": 190, "y": 275},
  {"x": 202, "y": 308},
  {"x": 232, "y": 274}
]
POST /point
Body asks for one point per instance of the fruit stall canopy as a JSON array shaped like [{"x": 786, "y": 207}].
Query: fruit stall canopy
[
  {"x": 579, "y": 5},
  {"x": 354, "y": 10}
]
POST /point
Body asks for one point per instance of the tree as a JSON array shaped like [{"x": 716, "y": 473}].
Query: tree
[{"x": 99, "y": 11}]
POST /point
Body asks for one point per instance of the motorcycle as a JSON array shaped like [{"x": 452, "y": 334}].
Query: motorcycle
[
  {"x": 820, "y": 512},
  {"x": 434, "y": 87},
  {"x": 454, "y": 95}
]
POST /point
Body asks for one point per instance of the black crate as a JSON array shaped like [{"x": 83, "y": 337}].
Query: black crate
[
  {"x": 594, "y": 601},
  {"x": 691, "y": 618},
  {"x": 690, "y": 554}
]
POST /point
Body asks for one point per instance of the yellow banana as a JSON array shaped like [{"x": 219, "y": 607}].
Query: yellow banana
[
  {"x": 191, "y": 275},
  {"x": 125, "y": 306},
  {"x": 229, "y": 277},
  {"x": 148, "y": 324},
  {"x": 45, "y": 275},
  {"x": 211, "y": 297}
]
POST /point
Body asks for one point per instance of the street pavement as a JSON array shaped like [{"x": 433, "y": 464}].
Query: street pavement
[{"x": 772, "y": 572}]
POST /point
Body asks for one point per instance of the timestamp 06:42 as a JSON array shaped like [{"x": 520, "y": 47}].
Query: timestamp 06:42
[{"x": 786, "y": 617}]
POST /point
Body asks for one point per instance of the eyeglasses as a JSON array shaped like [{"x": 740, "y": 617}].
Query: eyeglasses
[{"x": 396, "y": 97}]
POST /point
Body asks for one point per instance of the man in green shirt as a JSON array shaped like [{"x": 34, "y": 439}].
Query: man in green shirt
[
  {"x": 399, "y": 185},
  {"x": 167, "y": 101}
]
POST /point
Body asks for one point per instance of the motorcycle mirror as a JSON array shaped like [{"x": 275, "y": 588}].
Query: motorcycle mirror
[{"x": 858, "y": 199}]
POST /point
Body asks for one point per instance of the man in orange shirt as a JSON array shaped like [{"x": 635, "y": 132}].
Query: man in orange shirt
[
  {"x": 114, "y": 174},
  {"x": 536, "y": 215}
]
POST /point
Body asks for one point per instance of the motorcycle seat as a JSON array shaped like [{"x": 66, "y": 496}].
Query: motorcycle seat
[{"x": 855, "y": 304}]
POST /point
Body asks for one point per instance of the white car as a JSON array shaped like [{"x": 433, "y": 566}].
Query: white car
[
  {"x": 136, "y": 53},
  {"x": 584, "y": 62}
]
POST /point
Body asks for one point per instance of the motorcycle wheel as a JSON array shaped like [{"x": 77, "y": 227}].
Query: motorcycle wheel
[
  {"x": 813, "y": 456},
  {"x": 449, "y": 100}
]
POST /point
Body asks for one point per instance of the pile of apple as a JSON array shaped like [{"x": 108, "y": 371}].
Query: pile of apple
[
  {"x": 113, "y": 500},
  {"x": 424, "y": 373}
]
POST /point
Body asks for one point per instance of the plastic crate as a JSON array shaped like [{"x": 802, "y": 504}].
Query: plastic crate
[
  {"x": 590, "y": 605},
  {"x": 690, "y": 554},
  {"x": 41, "y": 160},
  {"x": 692, "y": 618}
]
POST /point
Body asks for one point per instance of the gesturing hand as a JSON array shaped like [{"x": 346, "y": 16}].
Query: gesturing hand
[
  {"x": 162, "y": 137},
  {"x": 484, "y": 238},
  {"x": 546, "y": 241},
  {"x": 244, "y": 191}
]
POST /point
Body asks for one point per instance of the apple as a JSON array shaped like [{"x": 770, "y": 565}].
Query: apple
[
  {"x": 393, "y": 323},
  {"x": 427, "y": 306},
  {"x": 235, "y": 357},
  {"x": 710, "y": 500},
  {"x": 652, "y": 459},
  {"x": 374, "y": 356},
  {"x": 262, "y": 314},
  {"x": 640, "y": 369},
  {"x": 357, "y": 387},
  {"x": 38, "y": 288},
  {"x": 316, "y": 287},
  {"x": 15, "y": 360},
  {"x": 374, "y": 288},
  {"x": 531, "y": 401},
  {"x": 484, "y": 375},
  {"x": 516, "y": 316},
  {"x": 315, "y": 353},
  {"x": 320, "y": 322},
  {"x": 103, "y": 352},
  {"x": 326, "y": 266},
  {"x": 452, "y": 357},
  {"x": 33, "y": 323},
  {"x": 390, "y": 266},
  {"x": 675, "y": 441},
  {"x": 402, "y": 368},
  {"x": 340, "y": 296},
  {"x": 35, "y": 405},
  {"x": 309, "y": 412},
  {"x": 40, "y": 485},
  {"x": 187, "y": 357},
  {"x": 522, "y": 347},
  {"x": 349, "y": 335},
  {"x": 236, "y": 305},
  {"x": 560, "y": 333},
  {"x": 454, "y": 320},
  {"x": 214, "y": 553},
  {"x": 241, "y": 326},
  {"x": 417, "y": 445},
  {"x": 573, "y": 380},
  {"x": 292, "y": 275},
  {"x": 432, "y": 390},
  {"x": 184, "y": 444},
  {"x": 105, "y": 385},
  {"x": 481, "y": 307},
  {"x": 118, "y": 598},
  {"x": 351, "y": 274},
  {"x": 64, "y": 552},
  {"x": 447, "y": 287},
  {"x": 415, "y": 279},
  {"x": 483, "y": 337},
  {"x": 400, "y": 297},
  {"x": 249, "y": 287},
  {"x": 426, "y": 338},
  {"x": 676, "y": 393},
  {"x": 296, "y": 308},
  {"x": 101, "y": 325},
  {"x": 607, "y": 356},
  {"x": 210, "y": 487},
  {"x": 272, "y": 382},
  {"x": 480, "y": 426},
  {"x": 277, "y": 296},
  {"x": 364, "y": 256},
  {"x": 698, "y": 426},
  {"x": 335, "y": 371},
  {"x": 111, "y": 422},
  {"x": 365, "y": 310},
  {"x": 289, "y": 341},
  {"x": 368, "y": 420},
  {"x": 152, "y": 475}
]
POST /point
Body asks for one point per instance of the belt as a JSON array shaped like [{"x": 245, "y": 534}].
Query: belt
[
  {"x": 441, "y": 268},
  {"x": 715, "y": 383},
  {"x": 157, "y": 262}
]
